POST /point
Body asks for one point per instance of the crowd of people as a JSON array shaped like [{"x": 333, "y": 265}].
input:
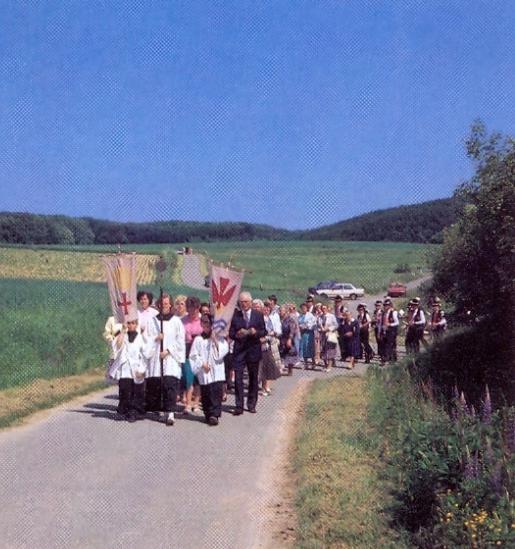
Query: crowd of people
[{"x": 168, "y": 359}]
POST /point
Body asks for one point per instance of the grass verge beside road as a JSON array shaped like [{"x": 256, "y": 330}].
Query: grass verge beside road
[
  {"x": 19, "y": 402},
  {"x": 340, "y": 496}
]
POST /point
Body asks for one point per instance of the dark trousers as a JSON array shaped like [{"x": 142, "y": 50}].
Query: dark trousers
[
  {"x": 171, "y": 386},
  {"x": 380, "y": 343},
  {"x": 228, "y": 366},
  {"x": 390, "y": 351},
  {"x": 131, "y": 397},
  {"x": 411, "y": 342},
  {"x": 252, "y": 394},
  {"x": 364, "y": 339},
  {"x": 341, "y": 344},
  {"x": 211, "y": 396}
]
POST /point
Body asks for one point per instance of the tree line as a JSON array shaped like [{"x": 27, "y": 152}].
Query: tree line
[{"x": 423, "y": 222}]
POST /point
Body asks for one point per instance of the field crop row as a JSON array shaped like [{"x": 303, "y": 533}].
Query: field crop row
[{"x": 65, "y": 265}]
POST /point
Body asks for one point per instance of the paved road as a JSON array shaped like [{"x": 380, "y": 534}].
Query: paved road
[
  {"x": 191, "y": 275},
  {"x": 80, "y": 479}
]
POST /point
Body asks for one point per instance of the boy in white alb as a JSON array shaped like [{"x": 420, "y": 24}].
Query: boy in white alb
[
  {"x": 130, "y": 353},
  {"x": 207, "y": 362}
]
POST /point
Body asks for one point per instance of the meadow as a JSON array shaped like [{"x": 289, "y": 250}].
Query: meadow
[
  {"x": 53, "y": 328},
  {"x": 289, "y": 268},
  {"x": 55, "y": 300}
]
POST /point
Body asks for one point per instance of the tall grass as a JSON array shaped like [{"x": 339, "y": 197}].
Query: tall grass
[
  {"x": 341, "y": 498},
  {"x": 53, "y": 329}
]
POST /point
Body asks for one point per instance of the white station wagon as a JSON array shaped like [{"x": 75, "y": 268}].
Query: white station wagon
[{"x": 347, "y": 291}]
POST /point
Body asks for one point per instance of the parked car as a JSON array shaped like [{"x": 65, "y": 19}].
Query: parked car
[
  {"x": 396, "y": 289},
  {"x": 324, "y": 285},
  {"x": 344, "y": 289}
]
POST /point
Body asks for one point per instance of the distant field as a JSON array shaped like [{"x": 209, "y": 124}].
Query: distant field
[
  {"x": 285, "y": 267},
  {"x": 65, "y": 265},
  {"x": 289, "y": 268}
]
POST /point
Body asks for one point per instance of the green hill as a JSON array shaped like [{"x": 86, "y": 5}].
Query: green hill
[
  {"x": 422, "y": 222},
  {"x": 415, "y": 223}
]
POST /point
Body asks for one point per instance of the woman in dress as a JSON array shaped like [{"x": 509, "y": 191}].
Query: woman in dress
[
  {"x": 328, "y": 328},
  {"x": 351, "y": 343},
  {"x": 192, "y": 329},
  {"x": 307, "y": 322},
  {"x": 287, "y": 349},
  {"x": 271, "y": 360}
]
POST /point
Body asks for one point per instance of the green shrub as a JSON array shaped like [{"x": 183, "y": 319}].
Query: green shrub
[{"x": 452, "y": 472}]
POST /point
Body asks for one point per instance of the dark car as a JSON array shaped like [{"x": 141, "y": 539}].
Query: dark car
[{"x": 324, "y": 285}]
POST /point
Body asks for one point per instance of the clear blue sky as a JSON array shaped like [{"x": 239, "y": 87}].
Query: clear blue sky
[{"x": 290, "y": 113}]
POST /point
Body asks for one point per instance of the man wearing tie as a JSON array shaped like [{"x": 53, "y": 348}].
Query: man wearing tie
[{"x": 247, "y": 327}]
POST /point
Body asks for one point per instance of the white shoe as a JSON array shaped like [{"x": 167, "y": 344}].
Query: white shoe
[{"x": 170, "y": 420}]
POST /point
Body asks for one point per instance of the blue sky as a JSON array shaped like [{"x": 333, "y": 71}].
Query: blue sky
[{"x": 291, "y": 113}]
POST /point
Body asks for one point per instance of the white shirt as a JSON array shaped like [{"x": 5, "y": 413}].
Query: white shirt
[
  {"x": 273, "y": 323},
  {"x": 205, "y": 350},
  {"x": 130, "y": 358},
  {"x": 147, "y": 321},
  {"x": 422, "y": 319},
  {"x": 175, "y": 343},
  {"x": 392, "y": 314}
]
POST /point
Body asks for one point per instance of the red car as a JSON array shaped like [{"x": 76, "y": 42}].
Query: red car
[{"x": 396, "y": 289}]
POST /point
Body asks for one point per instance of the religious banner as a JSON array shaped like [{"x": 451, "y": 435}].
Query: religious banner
[
  {"x": 224, "y": 291},
  {"x": 121, "y": 283}
]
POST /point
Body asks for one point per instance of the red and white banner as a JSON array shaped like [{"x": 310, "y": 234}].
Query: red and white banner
[
  {"x": 121, "y": 283},
  {"x": 224, "y": 291}
]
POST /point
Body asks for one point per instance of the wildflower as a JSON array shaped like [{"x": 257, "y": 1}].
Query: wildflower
[
  {"x": 509, "y": 434},
  {"x": 463, "y": 404},
  {"x": 486, "y": 409}
]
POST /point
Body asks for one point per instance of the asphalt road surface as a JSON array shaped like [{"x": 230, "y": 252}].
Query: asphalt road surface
[{"x": 78, "y": 478}]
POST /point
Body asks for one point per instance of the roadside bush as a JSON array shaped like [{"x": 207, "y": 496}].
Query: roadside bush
[
  {"x": 402, "y": 268},
  {"x": 469, "y": 358},
  {"x": 452, "y": 472}
]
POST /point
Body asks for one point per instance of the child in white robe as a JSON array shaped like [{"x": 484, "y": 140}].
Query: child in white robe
[
  {"x": 130, "y": 352},
  {"x": 207, "y": 362}
]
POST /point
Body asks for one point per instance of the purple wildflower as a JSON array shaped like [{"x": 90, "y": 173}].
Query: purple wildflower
[
  {"x": 486, "y": 409},
  {"x": 472, "y": 411},
  {"x": 463, "y": 404},
  {"x": 509, "y": 435},
  {"x": 471, "y": 465}
]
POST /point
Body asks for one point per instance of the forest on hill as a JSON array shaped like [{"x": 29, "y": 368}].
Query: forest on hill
[
  {"x": 422, "y": 222},
  {"x": 416, "y": 223}
]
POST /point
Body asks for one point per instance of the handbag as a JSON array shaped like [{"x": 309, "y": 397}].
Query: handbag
[{"x": 332, "y": 337}]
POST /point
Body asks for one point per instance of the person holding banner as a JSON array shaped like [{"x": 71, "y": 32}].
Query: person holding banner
[
  {"x": 247, "y": 327},
  {"x": 131, "y": 352},
  {"x": 164, "y": 375},
  {"x": 207, "y": 363}
]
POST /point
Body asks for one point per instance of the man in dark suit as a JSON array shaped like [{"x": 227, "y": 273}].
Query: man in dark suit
[{"x": 247, "y": 327}]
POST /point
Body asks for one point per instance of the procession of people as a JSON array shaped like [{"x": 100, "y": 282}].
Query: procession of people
[{"x": 169, "y": 360}]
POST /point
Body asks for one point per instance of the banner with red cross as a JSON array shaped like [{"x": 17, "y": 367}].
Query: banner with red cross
[
  {"x": 121, "y": 283},
  {"x": 224, "y": 293}
]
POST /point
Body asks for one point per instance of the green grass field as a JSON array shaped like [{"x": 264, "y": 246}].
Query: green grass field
[
  {"x": 289, "y": 268},
  {"x": 54, "y": 315},
  {"x": 53, "y": 328}
]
